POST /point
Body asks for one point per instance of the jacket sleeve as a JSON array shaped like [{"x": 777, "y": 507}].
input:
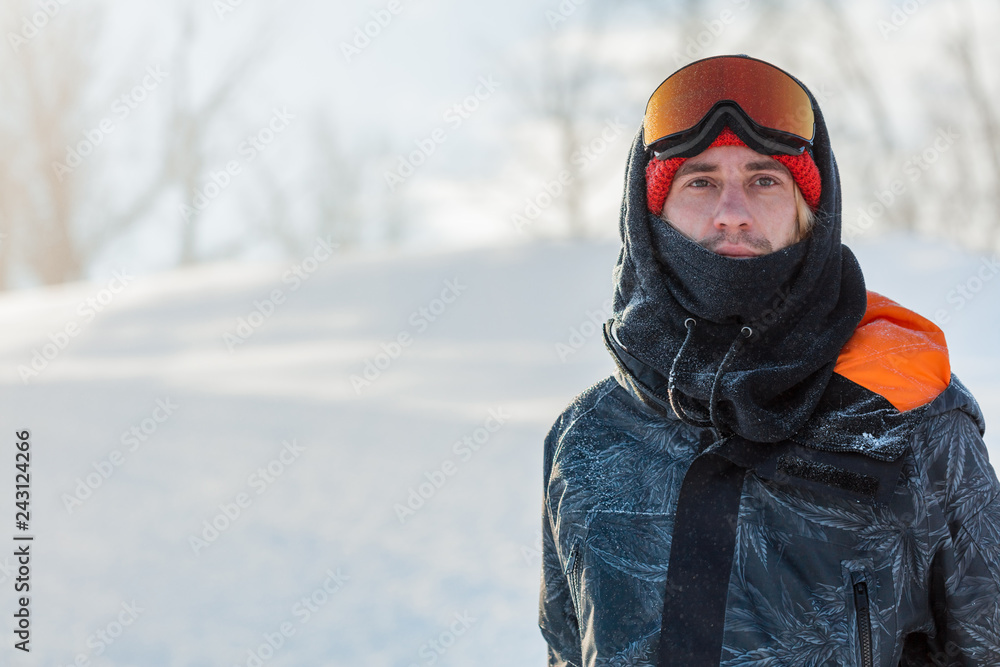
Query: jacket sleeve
[
  {"x": 556, "y": 614},
  {"x": 965, "y": 568}
]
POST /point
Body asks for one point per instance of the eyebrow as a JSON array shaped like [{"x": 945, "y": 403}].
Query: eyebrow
[
  {"x": 767, "y": 164},
  {"x": 696, "y": 167}
]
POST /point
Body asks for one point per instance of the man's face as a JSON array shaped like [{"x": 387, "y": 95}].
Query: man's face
[{"x": 734, "y": 202}]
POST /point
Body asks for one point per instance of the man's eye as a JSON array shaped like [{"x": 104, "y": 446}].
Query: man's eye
[
  {"x": 698, "y": 183},
  {"x": 766, "y": 181}
]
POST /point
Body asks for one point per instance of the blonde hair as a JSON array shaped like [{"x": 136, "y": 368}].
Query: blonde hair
[{"x": 804, "y": 216}]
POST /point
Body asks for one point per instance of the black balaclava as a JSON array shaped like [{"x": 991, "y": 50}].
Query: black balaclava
[{"x": 745, "y": 345}]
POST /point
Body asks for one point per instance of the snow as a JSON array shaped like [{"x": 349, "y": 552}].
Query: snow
[{"x": 460, "y": 406}]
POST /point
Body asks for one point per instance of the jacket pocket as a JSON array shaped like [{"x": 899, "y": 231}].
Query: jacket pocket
[
  {"x": 572, "y": 571},
  {"x": 868, "y": 596},
  {"x": 862, "y": 617},
  {"x": 620, "y": 573}
]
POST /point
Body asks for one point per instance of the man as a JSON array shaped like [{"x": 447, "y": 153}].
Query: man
[{"x": 783, "y": 470}]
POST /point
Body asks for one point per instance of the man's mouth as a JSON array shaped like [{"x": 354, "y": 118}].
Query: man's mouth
[{"x": 734, "y": 251}]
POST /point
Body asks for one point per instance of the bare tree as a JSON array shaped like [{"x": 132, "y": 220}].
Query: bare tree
[
  {"x": 985, "y": 110},
  {"x": 562, "y": 94},
  {"x": 339, "y": 177},
  {"x": 46, "y": 76},
  {"x": 9, "y": 204},
  {"x": 883, "y": 153},
  {"x": 56, "y": 212},
  {"x": 192, "y": 122},
  {"x": 557, "y": 83}
]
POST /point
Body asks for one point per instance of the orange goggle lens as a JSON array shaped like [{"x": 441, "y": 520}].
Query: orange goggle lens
[{"x": 768, "y": 96}]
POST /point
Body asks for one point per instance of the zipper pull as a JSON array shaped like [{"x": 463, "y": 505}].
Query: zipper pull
[
  {"x": 860, "y": 586},
  {"x": 861, "y": 594}
]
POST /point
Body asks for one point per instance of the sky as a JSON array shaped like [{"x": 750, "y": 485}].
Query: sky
[{"x": 387, "y": 94}]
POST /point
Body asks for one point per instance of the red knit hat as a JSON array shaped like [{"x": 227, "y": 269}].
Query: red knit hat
[{"x": 660, "y": 173}]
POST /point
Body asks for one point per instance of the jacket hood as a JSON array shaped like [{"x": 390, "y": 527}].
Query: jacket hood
[{"x": 747, "y": 346}]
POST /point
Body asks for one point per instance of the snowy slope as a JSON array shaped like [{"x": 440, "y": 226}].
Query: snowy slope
[{"x": 321, "y": 558}]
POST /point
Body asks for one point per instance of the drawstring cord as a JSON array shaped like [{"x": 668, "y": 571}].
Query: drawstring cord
[
  {"x": 678, "y": 409},
  {"x": 712, "y": 412},
  {"x": 689, "y": 324}
]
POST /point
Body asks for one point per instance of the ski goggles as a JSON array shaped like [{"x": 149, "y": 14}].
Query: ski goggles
[{"x": 767, "y": 108}]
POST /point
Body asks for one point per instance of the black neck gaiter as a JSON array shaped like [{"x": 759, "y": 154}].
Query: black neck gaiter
[
  {"x": 801, "y": 303},
  {"x": 716, "y": 288}
]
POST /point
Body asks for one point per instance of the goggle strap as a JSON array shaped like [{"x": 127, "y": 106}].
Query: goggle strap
[{"x": 710, "y": 127}]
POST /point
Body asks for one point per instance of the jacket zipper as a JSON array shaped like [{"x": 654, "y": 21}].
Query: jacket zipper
[
  {"x": 571, "y": 562},
  {"x": 571, "y": 565},
  {"x": 863, "y": 614}
]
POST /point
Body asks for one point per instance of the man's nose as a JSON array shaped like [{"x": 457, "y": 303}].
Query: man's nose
[{"x": 733, "y": 210}]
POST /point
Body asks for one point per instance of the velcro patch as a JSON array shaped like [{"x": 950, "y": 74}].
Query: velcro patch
[{"x": 824, "y": 473}]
